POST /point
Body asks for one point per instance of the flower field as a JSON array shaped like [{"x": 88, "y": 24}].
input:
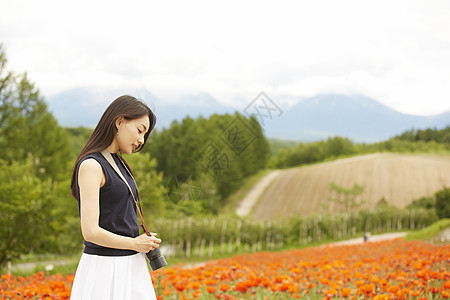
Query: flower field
[
  {"x": 36, "y": 286},
  {"x": 395, "y": 269}
]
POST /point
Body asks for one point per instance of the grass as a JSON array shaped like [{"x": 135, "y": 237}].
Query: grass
[{"x": 429, "y": 232}]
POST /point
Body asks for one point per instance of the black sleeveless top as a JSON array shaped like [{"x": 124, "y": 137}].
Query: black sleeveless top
[{"x": 117, "y": 207}]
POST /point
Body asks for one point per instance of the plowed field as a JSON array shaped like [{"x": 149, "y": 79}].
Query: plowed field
[{"x": 399, "y": 178}]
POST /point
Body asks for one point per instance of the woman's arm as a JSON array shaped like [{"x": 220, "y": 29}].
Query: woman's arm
[{"x": 90, "y": 179}]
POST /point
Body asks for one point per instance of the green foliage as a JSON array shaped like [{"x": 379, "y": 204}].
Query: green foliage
[
  {"x": 65, "y": 224},
  {"x": 306, "y": 153},
  {"x": 225, "y": 148},
  {"x": 34, "y": 216},
  {"x": 430, "y": 231},
  {"x": 404, "y": 146},
  {"x": 426, "y": 135},
  {"x": 302, "y": 154},
  {"x": 178, "y": 197},
  {"x": 422, "y": 202},
  {"x": 6, "y": 83},
  {"x": 278, "y": 144},
  {"x": 25, "y": 210},
  {"x": 78, "y": 137},
  {"x": 26, "y": 126},
  {"x": 338, "y": 146},
  {"x": 443, "y": 203},
  {"x": 152, "y": 191},
  {"x": 382, "y": 203},
  {"x": 345, "y": 199}
]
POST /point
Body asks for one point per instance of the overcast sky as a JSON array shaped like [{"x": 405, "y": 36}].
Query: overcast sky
[{"x": 396, "y": 52}]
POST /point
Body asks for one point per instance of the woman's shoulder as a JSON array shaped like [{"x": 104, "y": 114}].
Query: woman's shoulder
[
  {"x": 91, "y": 168},
  {"x": 90, "y": 164}
]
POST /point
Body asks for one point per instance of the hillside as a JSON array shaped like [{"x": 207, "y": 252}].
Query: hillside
[{"x": 399, "y": 178}]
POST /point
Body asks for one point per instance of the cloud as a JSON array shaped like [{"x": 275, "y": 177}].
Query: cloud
[{"x": 396, "y": 52}]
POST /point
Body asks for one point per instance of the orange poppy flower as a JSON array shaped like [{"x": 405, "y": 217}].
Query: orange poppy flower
[{"x": 224, "y": 287}]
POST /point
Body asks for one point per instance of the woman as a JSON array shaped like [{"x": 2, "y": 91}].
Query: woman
[{"x": 113, "y": 263}]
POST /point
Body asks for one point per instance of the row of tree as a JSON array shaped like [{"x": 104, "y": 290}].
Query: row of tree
[
  {"x": 439, "y": 203},
  {"x": 209, "y": 235},
  {"x": 212, "y": 154},
  {"x": 306, "y": 153},
  {"x": 426, "y": 135},
  {"x": 419, "y": 141}
]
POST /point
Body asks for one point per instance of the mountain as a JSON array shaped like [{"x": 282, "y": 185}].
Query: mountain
[
  {"x": 85, "y": 106},
  {"x": 357, "y": 117},
  {"x": 189, "y": 105}
]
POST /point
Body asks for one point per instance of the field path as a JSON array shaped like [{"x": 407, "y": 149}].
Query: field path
[
  {"x": 29, "y": 266},
  {"x": 372, "y": 238},
  {"x": 246, "y": 204}
]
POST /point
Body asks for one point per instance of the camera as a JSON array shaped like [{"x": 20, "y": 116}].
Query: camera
[{"x": 156, "y": 259}]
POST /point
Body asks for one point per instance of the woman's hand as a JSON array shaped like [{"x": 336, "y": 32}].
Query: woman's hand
[{"x": 145, "y": 243}]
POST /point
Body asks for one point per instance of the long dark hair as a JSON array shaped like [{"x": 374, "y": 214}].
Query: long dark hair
[{"x": 125, "y": 106}]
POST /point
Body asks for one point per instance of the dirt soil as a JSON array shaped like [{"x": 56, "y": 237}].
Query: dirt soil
[{"x": 398, "y": 178}]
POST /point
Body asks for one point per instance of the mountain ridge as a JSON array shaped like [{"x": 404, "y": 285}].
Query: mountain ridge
[{"x": 357, "y": 117}]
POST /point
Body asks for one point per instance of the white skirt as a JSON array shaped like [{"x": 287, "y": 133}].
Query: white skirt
[{"x": 112, "y": 278}]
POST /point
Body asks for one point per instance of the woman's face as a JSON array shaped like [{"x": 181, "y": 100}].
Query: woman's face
[{"x": 131, "y": 133}]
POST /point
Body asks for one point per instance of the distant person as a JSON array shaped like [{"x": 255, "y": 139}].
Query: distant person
[
  {"x": 366, "y": 236},
  {"x": 113, "y": 264}
]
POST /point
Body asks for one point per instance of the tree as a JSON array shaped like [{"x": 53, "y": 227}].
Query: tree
[
  {"x": 337, "y": 146},
  {"x": 228, "y": 148},
  {"x": 25, "y": 204},
  {"x": 346, "y": 198},
  {"x": 35, "y": 156},
  {"x": 422, "y": 202},
  {"x": 78, "y": 137},
  {"x": 151, "y": 188},
  {"x": 26, "y": 126},
  {"x": 6, "y": 80},
  {"x": 443, "y": 203}
]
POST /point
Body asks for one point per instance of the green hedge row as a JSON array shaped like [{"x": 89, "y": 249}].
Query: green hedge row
[{"x": 204, "y": 236}]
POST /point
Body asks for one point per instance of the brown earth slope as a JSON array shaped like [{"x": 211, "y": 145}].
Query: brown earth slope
[{"x": 399, "y": 178}]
